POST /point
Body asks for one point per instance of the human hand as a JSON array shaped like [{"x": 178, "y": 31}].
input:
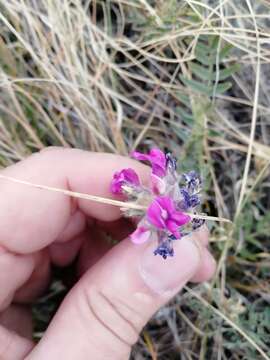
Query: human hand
[{"x": 105, "y": 311}]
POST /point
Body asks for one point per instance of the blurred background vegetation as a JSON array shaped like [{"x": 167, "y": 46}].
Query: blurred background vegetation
[{"x": 186, "y": 75}]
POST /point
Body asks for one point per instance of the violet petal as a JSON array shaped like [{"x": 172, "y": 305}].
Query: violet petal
[
  {"x": 157, "y": 159},
  {"x": 140, "y": 235},
  {"x": 155, "y": 216},
  {"x": 124, "y": 177},
  {"x": 173, "y": 227}
]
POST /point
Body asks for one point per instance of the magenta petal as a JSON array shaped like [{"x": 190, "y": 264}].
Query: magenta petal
[
  {"x": 130, "y": 176},
  {"x": 158, "y": 162},
  {"x": 173, "y": 228},
  {"x": 115, "y": 189},
  {"x": 157, "y": 159},
  {"x": 180, "y": 218},
  {"x": 120, "y": 178},
  {"x": 139, "y": 156},
  {"x": 163, "y": 215},
  {"x": 154, "y": 215},
  {"x": 166, "y": 203},
  {"x": 158, "y": 185},
  {"x": 140, "y": 235},
  {"x": 116, "y": 183}
]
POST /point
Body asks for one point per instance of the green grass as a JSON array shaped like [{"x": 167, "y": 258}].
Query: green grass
[{"x": 111, "y": 75}]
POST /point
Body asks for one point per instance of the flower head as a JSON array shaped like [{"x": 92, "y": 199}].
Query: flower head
[
  {"x": 193, "y": 181},
  {"x": 159, "y": 208},
  {"x": 188, "y": 200},
  {"x": 163, "y": 215},
  {"x": 124, "y": 177},
  {"x": 157, "y": 159}
]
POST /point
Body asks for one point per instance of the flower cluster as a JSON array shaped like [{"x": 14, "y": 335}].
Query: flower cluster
[{"x": 166, "y": 200}]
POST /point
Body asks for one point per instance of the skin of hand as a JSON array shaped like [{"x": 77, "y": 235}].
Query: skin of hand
[{"x": 119, "y": 287}]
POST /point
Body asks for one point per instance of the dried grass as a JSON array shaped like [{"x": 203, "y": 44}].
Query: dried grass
[{"x": 104, "y": 76}]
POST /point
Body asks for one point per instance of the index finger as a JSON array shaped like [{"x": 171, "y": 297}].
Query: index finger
[{"x": 31, "y": 218}]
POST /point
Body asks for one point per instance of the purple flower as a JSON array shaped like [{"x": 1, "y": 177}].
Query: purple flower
[
  {"x": 160, "y": 207},
  {"x": 163, "y": 215},
  {"x": 157, "y": 159},
  {"x": 188, "y": 200},
  {"x": 140, "y": 235},
  {"x": 124, "y": 177},
  {"x": 193, "y": 181},
  {"x": 171, "y": 162},
  {"x": 165, "y": 249}
]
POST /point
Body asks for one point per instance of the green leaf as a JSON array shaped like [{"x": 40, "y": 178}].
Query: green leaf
[
  {"x": 204, "y": 74},
  {"x": 204, "y": 89},
  {"x": 225, "y": 51},
  {"x": 181, "y": 133},
  {"x": 184, "y": 99},
  {"x": 207, "y": 54},
  {"x": 203, "y": 48},
  {"x": 185, "y": 116},
  {"x": 213, "y": 133},
  {"x": 204, "y": 58},
  {"x": 225, "y": 73},
  {"x": 214, "y": 41},
  {"x": 200, "y": 71},
  {"x": 246, "y": 254},
  {"x": 222, "y": 88},
  {"x": 195, "y": 85}
]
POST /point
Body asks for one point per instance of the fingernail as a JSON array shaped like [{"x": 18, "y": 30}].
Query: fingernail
[{"x": 167, "y": 276}]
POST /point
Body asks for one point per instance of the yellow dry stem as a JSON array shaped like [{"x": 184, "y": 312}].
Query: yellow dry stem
[{"x": 103, "y": 200}]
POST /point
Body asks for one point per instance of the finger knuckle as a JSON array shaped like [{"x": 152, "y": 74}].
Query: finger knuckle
[{"x": 109, "y": 312}]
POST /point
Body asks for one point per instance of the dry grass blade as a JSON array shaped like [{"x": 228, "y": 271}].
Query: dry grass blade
[
  {"x": 230, "y": 322},
  {"x": 254, "y": 119},
  {"x": 76, "y": 194},
  {"x": 102, "y": 200}
]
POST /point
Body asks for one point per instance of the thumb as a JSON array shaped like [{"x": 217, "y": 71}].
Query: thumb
[{"x": 102, "y": 316}]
